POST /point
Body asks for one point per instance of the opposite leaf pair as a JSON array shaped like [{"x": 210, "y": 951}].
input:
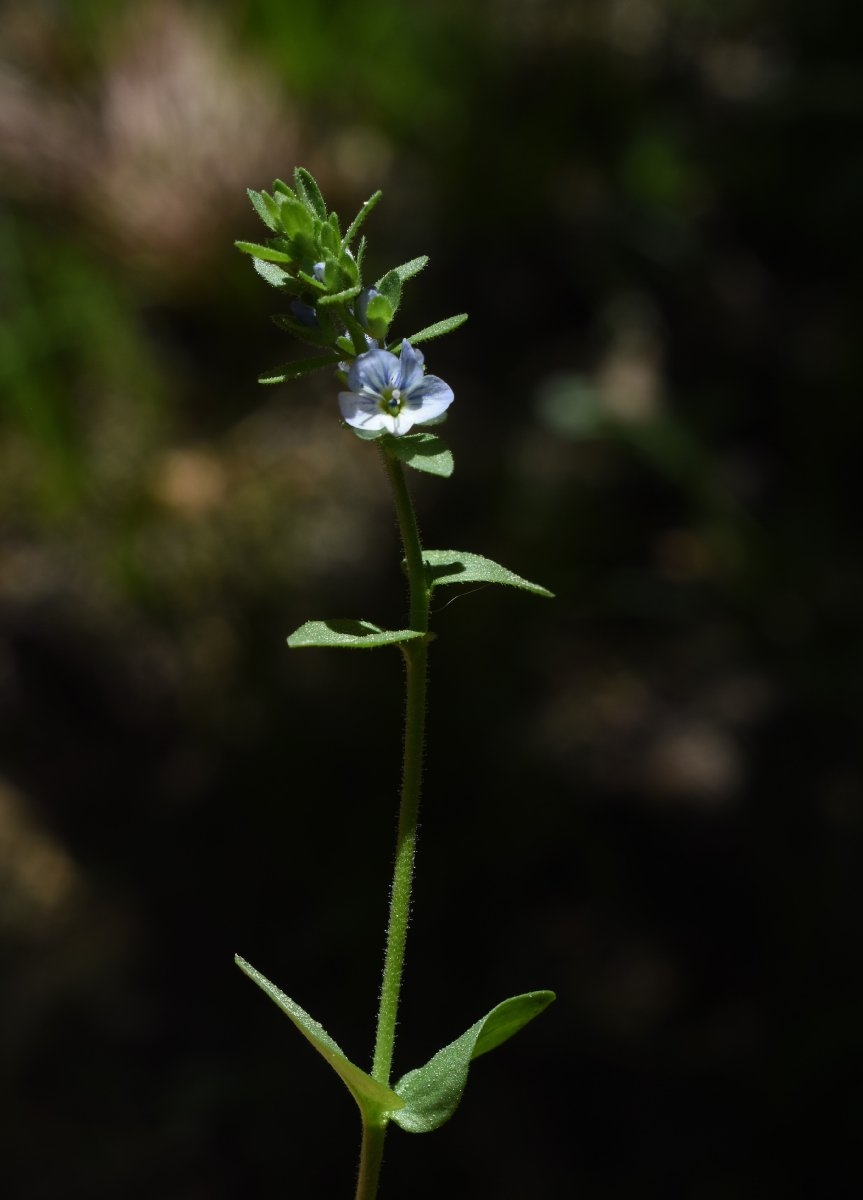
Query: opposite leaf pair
[{"x": 425, "y": 1098}]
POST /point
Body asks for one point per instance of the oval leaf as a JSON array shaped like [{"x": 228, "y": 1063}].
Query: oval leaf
[
  {"x": 358, "y": 635},
  {"x": 457, "y": 566},
  {"x": 424, "y": 452},
  {"x": 432, "y": 1093},
  {"x": 373, "y": 1098}
]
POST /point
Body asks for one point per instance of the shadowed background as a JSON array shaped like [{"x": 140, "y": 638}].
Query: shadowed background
[{"x": 645, "y": 794}]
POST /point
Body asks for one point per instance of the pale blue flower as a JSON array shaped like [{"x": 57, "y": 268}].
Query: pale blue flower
[{"x": 392, "y": 394}]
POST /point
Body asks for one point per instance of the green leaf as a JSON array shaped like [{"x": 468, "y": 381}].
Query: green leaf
[
  {"x": 295, "y": 370},
  {"x": 267, "y": 253},
  {"x": 307, "y": 188},
  {"x": 457, "y": 566},
  {"x": 424, "y": 452},
  {"x": 354, "y": 635},
  {"x": 314, "y": 335},
  {"x": 390, "y": 285},
  {"x": 274, "y": 275},
  {"x": 406, "y": 270},
  {"x": 329, "y": 238},
  {"x": 447, "y": 325},
  {"x": 296, "y": 219},
  {"x": 432, "y": 1093},
  {"x": 373, "y": 1098},
  {"x": 341, "y": 297},
  {"x": 259, "y": 204},
  {"x": 354, "y": 227}
]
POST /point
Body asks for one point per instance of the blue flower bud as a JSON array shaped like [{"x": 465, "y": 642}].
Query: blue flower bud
[{"x": 304, "y": 313}]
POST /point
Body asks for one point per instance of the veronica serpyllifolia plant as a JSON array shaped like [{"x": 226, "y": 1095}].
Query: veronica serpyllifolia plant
[{"x": 385, "y": 397}]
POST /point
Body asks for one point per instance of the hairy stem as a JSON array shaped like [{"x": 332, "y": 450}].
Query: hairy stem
[
  {"x": 371, "y": 1155},
  {"x": 416, "y": 660}
]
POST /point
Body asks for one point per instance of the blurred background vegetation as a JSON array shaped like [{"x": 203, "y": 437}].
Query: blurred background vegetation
[{"x": 646, "y": 794}]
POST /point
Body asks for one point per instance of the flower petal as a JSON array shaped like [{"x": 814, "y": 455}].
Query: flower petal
[
  {"x": 363, "y": 412},
  {"x": 432, "y": 398},
  {"x": 410, "y": 367},
  {"x": 373, "y": 372}
]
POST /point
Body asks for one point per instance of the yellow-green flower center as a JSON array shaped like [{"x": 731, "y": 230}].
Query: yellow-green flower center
[{"x": 391, "y": 401}]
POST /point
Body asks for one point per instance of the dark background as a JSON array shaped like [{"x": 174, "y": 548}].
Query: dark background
[{"x": 645, "y": 794}]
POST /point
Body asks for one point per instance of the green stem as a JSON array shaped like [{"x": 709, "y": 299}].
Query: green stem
[
  {"x": 400, "y": 896},
  {"x": 416, "y": 660},
  {"x": 419, "y": 590},
  {"x": 371, "y": 1155}
]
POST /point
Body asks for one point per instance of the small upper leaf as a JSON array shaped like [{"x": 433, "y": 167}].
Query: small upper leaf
[
  {"x": 295, "y": 370},
  {"x": 406, "y": 270},
  {"x": 458, "y": 566},
  {"x": 390, "y": 285},
  {"x": 274, "y": 275},
  {"x": 267, "y": 253},
  {"x": 447, "y": 325},
  {"x": 266, "y": 211},
  {"x": 354, "y": 226},
  {"x": 374, "y": 1099},
  {"x": 432, "y": 1093},
  {"x": 358, "y": 635},
  {"x": 307, "y": 187}
]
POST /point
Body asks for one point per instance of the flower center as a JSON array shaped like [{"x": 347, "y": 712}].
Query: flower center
[{"x": 391, "y": 401}]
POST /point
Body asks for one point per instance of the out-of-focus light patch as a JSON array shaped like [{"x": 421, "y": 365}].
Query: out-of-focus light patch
[
  {"x": 362, "y": 155},
  {"x": 628, "y": 380},
  {"x": 570, "y": 404},
  {"x": 740, "y": 70},
  {"x": 683, "y": 556},
  {"x": 626, "y": 386},
  {"x": 187, "y": 120},
  {"x": 191, "y": 482},
  {"x": 40, "y": 885},
  {"x": 695, "y": 762},
  {"x": 636, "y": 27},
  {"x": 159, "y": 152}
]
